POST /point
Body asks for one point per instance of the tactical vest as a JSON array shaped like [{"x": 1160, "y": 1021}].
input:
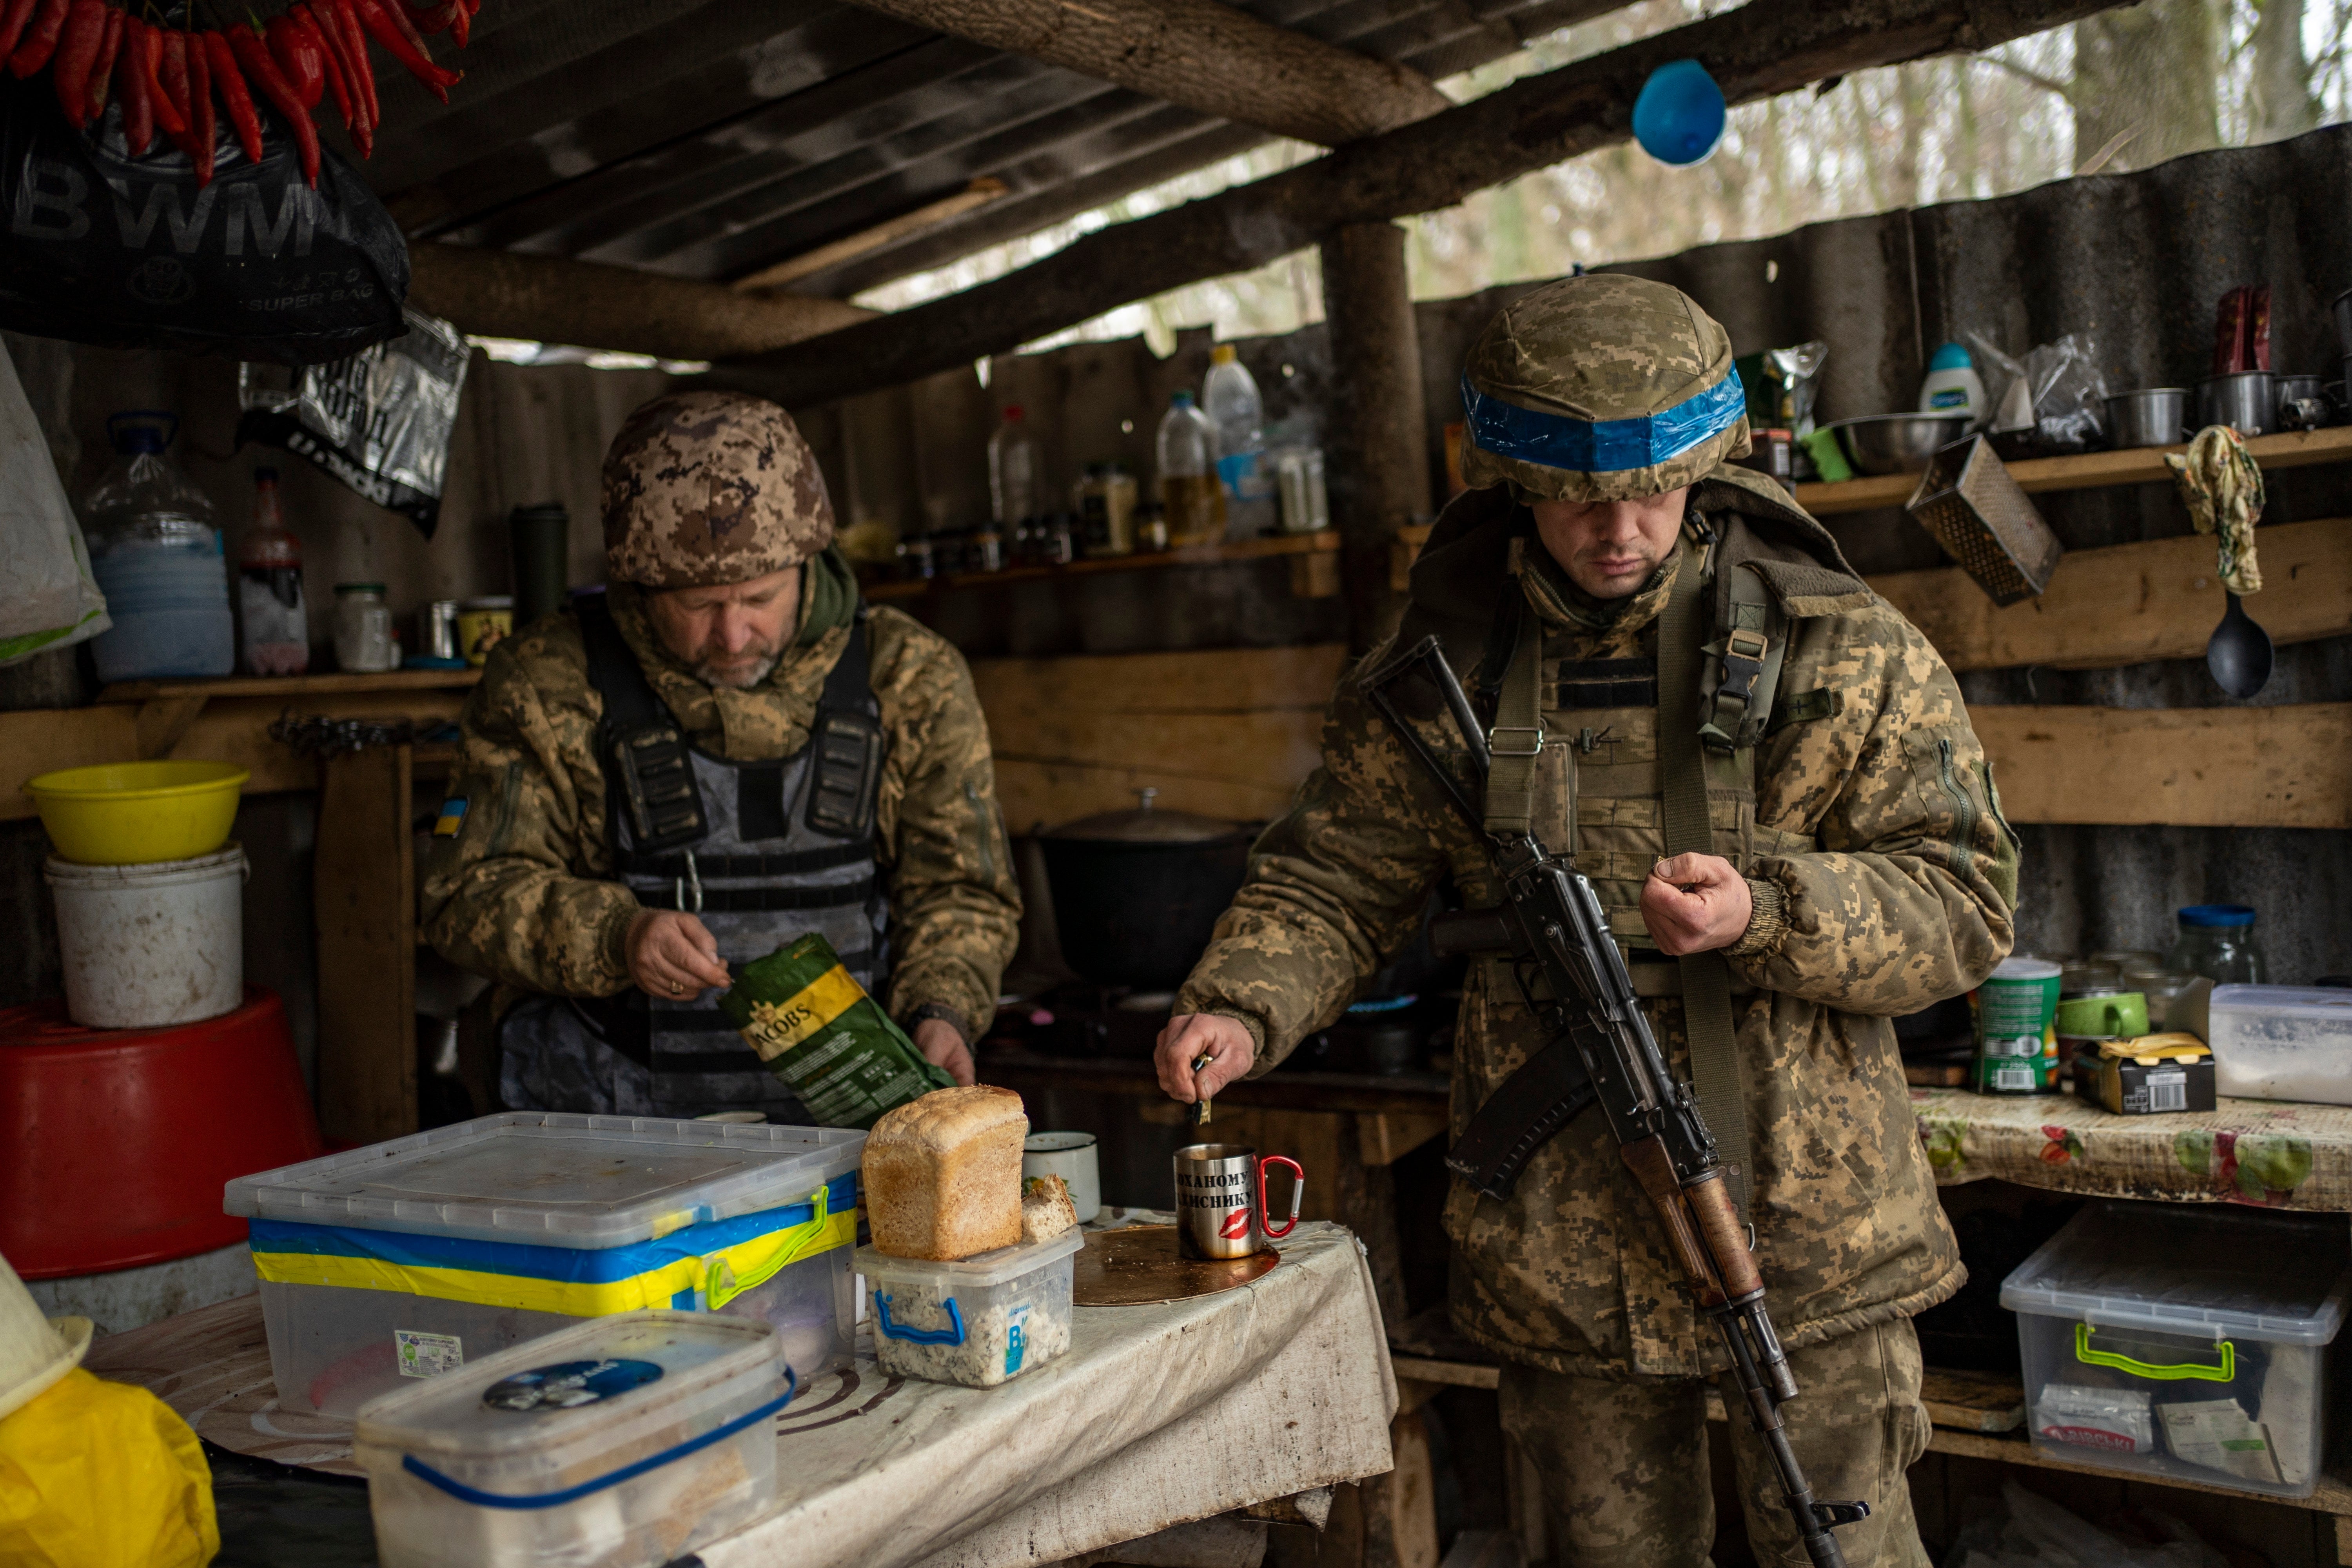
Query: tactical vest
[
  {"x": 1621, "y": 763},
  {"x": 762, "y": 853}
]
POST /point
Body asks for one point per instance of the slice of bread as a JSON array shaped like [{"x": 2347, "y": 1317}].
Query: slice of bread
[
  {"x": 942, "y": 1174},
  {"x": 1046, "y": 1210}
]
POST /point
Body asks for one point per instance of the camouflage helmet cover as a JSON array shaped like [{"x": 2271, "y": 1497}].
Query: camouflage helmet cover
[
  {"x": 1601, "y": 387},
  {"x": 707, "y": 488}
]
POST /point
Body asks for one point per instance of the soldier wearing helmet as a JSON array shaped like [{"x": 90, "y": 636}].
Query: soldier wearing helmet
[
  {"x": 1771, "y": 779},
  {"x": 724, "y": 750}
]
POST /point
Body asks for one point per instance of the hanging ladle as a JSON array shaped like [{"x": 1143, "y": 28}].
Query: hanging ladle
[{"x": 2240, "y": 653}]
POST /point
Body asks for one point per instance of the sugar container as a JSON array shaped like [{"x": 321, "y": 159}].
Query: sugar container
[
  {"x": 623, "y": 1442},
  {"x": 2282, "y": 1042},
  {"x": 420, "y": 1256},
  {"x": 978, "y": 1322}
]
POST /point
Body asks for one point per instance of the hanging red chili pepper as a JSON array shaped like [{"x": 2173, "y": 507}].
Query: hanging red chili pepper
[
  {"x": 138, "y": 110},
  {"x": 40, "y": 40},
  {"x": 296, "y": 55},
  {"x": 169, "y": 119},
  {"x": 101, "y": 70},
  {"x": 200, "y": 107},
  {"x": 13, "y": 17},
  {"x": 261, "y": 71},
  {"x": 77, "y": 52},
  {"x": 388, "y": 25},
  {"x": 229, "y": 82},
  {"x": 345, "y": 23},
  {"x": 171, "y": 88},
  {"x": 331, "y": 64}
]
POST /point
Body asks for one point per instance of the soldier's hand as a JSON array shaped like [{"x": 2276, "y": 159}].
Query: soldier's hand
[
  {"x": 673, "y": 954},
  {"x": 1182, "y": 1043},
  {"x": 1695, "y": 903},
  {"x": 942, "y": 1046}
]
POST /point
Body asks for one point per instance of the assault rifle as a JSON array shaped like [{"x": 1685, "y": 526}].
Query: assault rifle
[{"x": 1601, "y": 1048}]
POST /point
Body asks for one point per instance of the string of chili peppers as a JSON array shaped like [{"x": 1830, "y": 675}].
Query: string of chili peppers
[{"x": 168, "y": 78}]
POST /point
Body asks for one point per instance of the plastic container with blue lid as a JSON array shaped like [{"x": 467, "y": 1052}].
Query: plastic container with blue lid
[
  {"x": 420, "y": 1256},
  {"x": 2186, "y": 1342},
  {"x": 622, "y": 1443}
]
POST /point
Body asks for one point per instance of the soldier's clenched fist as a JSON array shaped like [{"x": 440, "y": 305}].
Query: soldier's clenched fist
[{"x": 1695, "y": 903}]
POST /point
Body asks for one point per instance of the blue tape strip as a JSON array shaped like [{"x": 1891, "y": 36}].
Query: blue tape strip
[
  {"x": 533, "y": 1261},
  {"x": 1601, "y": 445},
  {"x": 464, "y": 1493}
]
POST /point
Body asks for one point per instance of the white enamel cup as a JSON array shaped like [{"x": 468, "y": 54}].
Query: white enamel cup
[{"x": 1073, "y": 1157}]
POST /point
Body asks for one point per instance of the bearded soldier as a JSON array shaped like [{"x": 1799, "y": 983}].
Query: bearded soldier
[
  {"x": 1771, "y": 779},
  {"x": 724, "y": 750}
]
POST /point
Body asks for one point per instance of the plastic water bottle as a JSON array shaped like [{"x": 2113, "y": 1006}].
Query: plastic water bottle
[
  {"x": 1189, "y": 487},
  {"x": 1231, "y": 399},
  {"x": 269, "y": 588},
  {"x": 157, "y": 557},
  {"x": 1012, "y": 471}
]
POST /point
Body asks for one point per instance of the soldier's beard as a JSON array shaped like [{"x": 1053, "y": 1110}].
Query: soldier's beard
[{"x": 743, "y": 671}]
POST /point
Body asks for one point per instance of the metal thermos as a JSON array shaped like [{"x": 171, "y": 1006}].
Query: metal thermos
[
  {"x": 438, "y": 630},
  {"x": 1221, "y": 1200}
]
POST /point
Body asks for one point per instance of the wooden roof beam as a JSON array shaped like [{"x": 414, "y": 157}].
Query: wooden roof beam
[
  {"x": 1761, "y": 50},
  {"x": 1200, "y": 55},
  {"x": 552, "y": 299}
]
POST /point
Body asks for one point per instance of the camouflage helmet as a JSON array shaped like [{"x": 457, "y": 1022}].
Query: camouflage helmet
[
  {"x": 1601, "y": 387},
  {"x": 705, "y": 488}
]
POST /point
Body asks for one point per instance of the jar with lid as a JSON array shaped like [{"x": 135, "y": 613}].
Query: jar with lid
[
  {"x": 364, "y": 642},
  {"x": 1104, "y": 498},
  {"x": 2217, "y": 940}
]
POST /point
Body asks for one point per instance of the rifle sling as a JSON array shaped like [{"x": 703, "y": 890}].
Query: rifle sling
[{"x": 1683, "y": 765}]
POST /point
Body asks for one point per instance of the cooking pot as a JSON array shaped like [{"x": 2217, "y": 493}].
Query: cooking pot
[{"x": 1136, "y": 893}]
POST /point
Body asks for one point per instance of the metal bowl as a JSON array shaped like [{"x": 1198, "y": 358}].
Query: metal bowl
[
  {"x": 1898, "y": 443},
  {"x": 2151, "y": 417}
]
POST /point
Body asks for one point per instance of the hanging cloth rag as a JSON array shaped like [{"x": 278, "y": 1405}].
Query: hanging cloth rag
[{"x": 2222, "y": 489}]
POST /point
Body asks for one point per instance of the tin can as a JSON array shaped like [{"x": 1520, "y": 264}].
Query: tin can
[
  {"x": 2017, "y": 1046},
  {"x": 438, "y": 630},
  {"x": 482, "y": 625},
  {"x": 1221, "y": 1200}
]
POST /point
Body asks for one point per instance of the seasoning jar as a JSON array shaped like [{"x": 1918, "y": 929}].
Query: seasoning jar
[
  {"x": 2217, "y": 940},
  {"x": 363, "y": 643},
  {"x": 1104, "y": 498}
]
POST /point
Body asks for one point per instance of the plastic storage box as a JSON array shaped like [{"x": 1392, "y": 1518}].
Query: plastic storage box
[
  {"x": 979, "y": 1322},
  {"x": 423, "y": 1255},
  {"x": 2282, "y": 1042},
  {"x": 2189, "y": 1343},
  {"x": 620, "y": 1443}
]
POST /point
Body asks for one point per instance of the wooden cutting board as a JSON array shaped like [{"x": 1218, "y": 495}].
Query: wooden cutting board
[
  {"x": 1139, "y": 1265},
  {"x": 1973, "y": 1401}
]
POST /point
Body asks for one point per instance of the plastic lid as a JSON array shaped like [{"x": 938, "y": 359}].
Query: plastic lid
[
  {"x": 554, "y": 1178},
  {"x": 978, "y": 1272},
  {"x": 2024, "y": 969},
  {"x": 2217, "y": 1272},
  {"x": 2282, "y": 1001},
  {"x": 623, "y": 1372},
  {"x": 1223, "y": 354},
  {"x": 1950, "y": 356},
  {"x": 1180, "y": 400},
  {"x": 491, "y": 601},
  {"x": 359, "y": 587},
  {"x": 2209, "y": 917}
]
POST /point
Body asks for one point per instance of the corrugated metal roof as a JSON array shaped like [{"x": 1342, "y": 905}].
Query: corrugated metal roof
[{"x": 711, "y": 140}]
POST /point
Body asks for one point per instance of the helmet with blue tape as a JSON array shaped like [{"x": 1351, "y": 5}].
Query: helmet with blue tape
[{"x": 1601, "y": 387}]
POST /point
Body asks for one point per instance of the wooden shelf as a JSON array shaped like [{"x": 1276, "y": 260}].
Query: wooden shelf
[
  {"x": 1323, "y": 541},
  {"x": 2134, "y": 466},
  {"x": 291, "y": 685}
]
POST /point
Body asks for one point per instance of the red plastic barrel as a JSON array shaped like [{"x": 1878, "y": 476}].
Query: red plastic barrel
[{"x": 115, "y": 1143}]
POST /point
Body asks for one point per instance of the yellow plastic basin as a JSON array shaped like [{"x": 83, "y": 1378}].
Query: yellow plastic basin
[{"x": 126, "y": 814}]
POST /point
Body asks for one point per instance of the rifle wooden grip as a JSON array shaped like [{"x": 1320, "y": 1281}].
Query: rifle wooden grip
[
  {"x": 1654, "y": 1170},
  {"x": 1727, "y": 1240}
]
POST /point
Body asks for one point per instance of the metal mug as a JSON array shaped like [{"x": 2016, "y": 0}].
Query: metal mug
[
  {"x": 440, "y": 632},
  {"x": 2150, "y": 417},
  {"x": 2247, "y": 401},
  {"x": 1221, "y": 1200}
]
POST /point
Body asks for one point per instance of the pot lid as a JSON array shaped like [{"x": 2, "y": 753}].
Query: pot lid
[{"x": 1145, "y": 825}]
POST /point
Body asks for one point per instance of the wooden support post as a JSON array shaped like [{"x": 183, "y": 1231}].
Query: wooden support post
[
  {"x": 1378, "y": 450},
  {"x": 1401, "y": 1507},
  {"x": 364, "y": 883}
]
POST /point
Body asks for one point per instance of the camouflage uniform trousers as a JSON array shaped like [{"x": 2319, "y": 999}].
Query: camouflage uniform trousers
[{"x": 1624, "y": 1464}]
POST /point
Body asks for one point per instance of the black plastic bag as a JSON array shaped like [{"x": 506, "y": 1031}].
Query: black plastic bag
[{"x": 102, "y": 247}]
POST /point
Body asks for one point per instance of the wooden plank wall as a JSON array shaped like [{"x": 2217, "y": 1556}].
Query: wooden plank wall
[{"x": 1231, "y": 732}]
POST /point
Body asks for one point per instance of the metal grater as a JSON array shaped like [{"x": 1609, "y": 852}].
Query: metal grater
[{"x": 1967, "y": 501}]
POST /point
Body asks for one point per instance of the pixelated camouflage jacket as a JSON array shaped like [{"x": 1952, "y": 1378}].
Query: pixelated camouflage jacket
[
  {"x": 521, "y": 893},
  {"x": 1884, "y": 881}
]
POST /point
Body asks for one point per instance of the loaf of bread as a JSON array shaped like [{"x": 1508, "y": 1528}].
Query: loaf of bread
[
  {"x": 1046, "y": 1210},
  {"x": 942, "y": 1174}
]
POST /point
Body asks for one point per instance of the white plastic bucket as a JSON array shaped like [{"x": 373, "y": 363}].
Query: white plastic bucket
[{"x": 150, "y": 945}]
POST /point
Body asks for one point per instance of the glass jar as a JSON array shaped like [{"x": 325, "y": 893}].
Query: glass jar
[
  {"x": 2162, "y": 987},
  {"x": 364, "y": 642},
  {"x": 2217, "y": 940}
]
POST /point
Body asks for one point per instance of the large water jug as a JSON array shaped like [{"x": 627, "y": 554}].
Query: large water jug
[{"x": 156, "y": 554}]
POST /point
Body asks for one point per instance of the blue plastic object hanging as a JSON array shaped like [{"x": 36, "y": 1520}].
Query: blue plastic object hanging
[{"x": 1678, "y": 116}]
